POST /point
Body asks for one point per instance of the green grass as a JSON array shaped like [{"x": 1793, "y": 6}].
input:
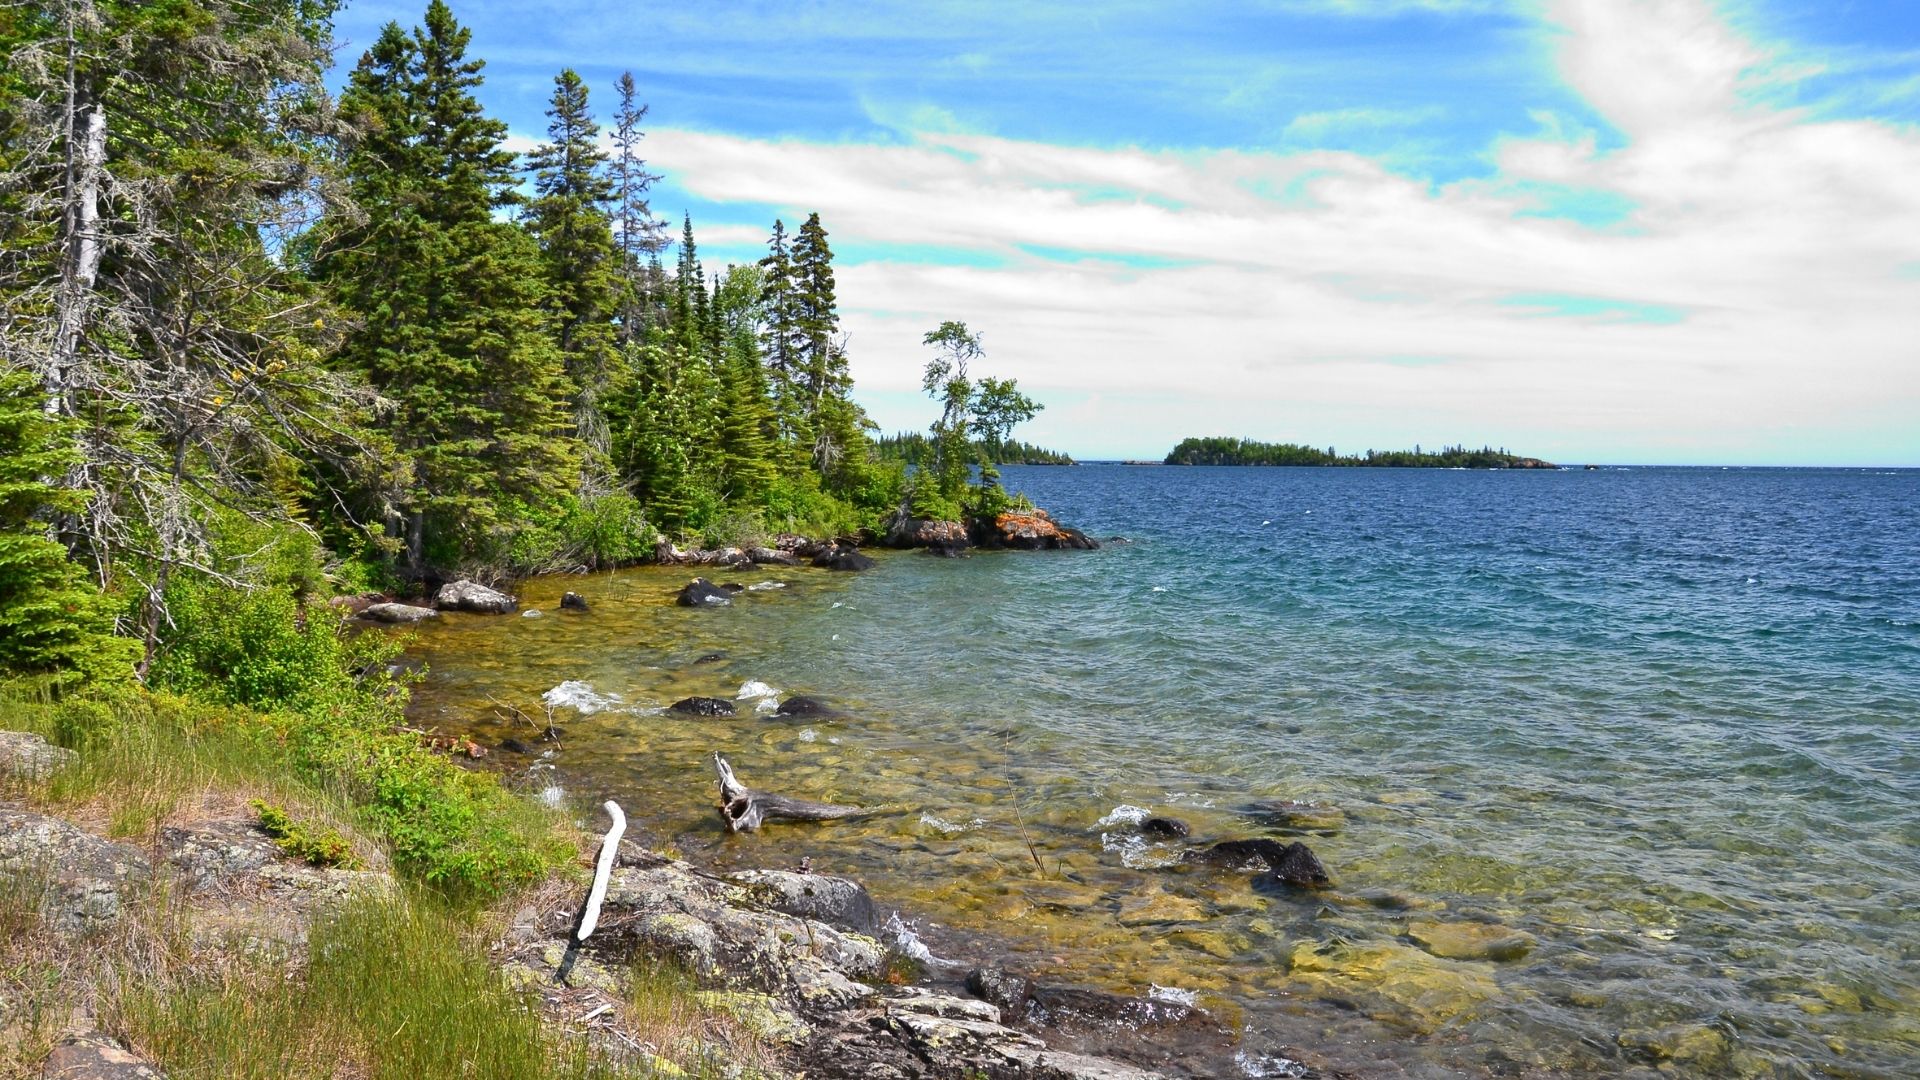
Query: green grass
[{"x": 394, "y": 990}]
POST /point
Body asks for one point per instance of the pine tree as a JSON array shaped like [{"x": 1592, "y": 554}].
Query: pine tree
[
  {"x": 52, "y": 621},
  {"x": 570, "y": 220},
  {"x": 449, "y": 298}
]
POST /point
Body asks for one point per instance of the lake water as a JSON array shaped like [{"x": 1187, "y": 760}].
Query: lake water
[{"x": 1664, "y": 723}]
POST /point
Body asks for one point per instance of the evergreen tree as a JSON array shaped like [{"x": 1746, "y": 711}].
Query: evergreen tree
[
  {"x": 747, "y": 428},
  {"x": 569, "y": 218},
  {"x": 52, "y": 621},
  {"x": 780, "y": 336},
  {"x": 640, "y": 235},
  {"x": 449, "y": 299},
  {"x": 832, "y": 427}
]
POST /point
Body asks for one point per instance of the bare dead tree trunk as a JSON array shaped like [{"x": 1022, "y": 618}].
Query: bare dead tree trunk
[{"x": 85, "y": 126}]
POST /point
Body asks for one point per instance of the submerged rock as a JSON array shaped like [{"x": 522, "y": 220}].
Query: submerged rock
[
  {"x": 1429, "y": 991},
  {"x": 1289, "y": 815},
  {"x": 1098, "y": 1021},
  {"x": 1470, "y": 940},
  {"x": 474, "y": 597},
  {"x": 800, "y": 705},
  {"x": 1292, "y": 864},
  {"x": 573, "y": 601},
  {"x": 703, "y": 706},
  {"x": 703, "y": 593},
  {"x": 1164, "y": 828},
  {"x": 397, "y": 613}
]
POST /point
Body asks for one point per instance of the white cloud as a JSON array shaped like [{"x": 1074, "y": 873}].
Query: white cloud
[
  {"x": 1318, "y": 125},
  {"x": 1319, "y": 296}
]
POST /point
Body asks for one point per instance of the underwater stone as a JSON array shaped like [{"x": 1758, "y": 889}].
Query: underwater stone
[
  {"x": 702, "y": 706},
  {"x": 1470, "y": 940},
  {"x": 573, "y": 601}
]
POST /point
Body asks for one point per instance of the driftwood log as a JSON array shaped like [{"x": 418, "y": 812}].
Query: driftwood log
[
  {"x": 745, "y": 809},
  {"x": 603, "y": 870}
]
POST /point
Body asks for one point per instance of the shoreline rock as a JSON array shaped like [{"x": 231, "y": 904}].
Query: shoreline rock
[{"x": 471, "y": 596}]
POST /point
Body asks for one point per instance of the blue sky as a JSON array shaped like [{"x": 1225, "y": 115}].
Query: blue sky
[{"x": 1620, "y": 230}]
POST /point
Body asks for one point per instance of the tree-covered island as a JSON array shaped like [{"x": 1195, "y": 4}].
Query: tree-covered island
[{"x": 1221, "y": 450}]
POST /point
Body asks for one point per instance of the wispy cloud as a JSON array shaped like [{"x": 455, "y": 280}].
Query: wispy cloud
[{"x": 1764, "y": 283}]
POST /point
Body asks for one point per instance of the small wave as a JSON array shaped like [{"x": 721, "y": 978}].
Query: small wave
[
  {"x": 766, "y": 705},
  {"x": 763, "y": 586},
  {"x": 1124, "y": 814},
  {"x": 1269, "y": 1066},
  {"x": 910, "y": 945},
  {"x": 950, "y": 828},
  {"x": 1191, "y": 798},
  {"x": 1173, "y": 995},
  {"x": 580, "y": 697},
  {"x": 1159, "y": 588},
  {"x": 1137, "y": 852},
  {"x": 754, "y": 688},
  {"x": 553, "y": 796},
  {"x": 532, "y": 613},
  {"x": 808, "y": 735},
  {"x": 837, "y": 603}
]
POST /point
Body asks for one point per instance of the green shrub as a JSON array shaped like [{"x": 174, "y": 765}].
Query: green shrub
[{"x": 314, "y": 845}]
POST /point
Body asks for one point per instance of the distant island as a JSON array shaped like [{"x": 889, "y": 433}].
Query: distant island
[
  {"x": 913, "y": 448},
  {"x": 1226, "y": 451}
]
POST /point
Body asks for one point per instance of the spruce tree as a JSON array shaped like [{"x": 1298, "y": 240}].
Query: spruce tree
[
  {"x": 832, "y": 426},
  {"x": 569, "y": 218},
  {"x": 747, "y": 427},
  {"x": 52, "y": 622},
  {"x": 449, "y": 298},
  {"x": 639, "y": 234}
]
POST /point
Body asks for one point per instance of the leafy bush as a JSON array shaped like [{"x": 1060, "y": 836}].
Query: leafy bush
[{"x": 315, "y": 845}]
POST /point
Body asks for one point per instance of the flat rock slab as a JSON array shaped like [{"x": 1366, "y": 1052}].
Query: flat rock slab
[
  {"x": 87, "y": 880},
  {"x": 837, "y": 901},
  {"x": 95, "y": 1057},
  {"x": 397, "y": 613},
  {"x": 25, "y": 756}
]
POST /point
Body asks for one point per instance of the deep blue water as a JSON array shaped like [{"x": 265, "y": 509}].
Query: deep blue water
[{"x": 1664, "y": 721}]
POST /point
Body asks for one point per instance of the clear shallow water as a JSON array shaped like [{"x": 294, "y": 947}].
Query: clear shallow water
[{"x": 1666, "y": 722}]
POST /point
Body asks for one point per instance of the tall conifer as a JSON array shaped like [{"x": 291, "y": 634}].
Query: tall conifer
[{"x": 448, "y": 297}]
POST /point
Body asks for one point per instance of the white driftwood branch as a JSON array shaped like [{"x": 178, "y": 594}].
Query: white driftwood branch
[
  {"x": 609, "y": 849},
  {"x": 744, "y": 809}
]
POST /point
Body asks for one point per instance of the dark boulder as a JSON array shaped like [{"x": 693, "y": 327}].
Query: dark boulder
[
  {"x": 573, "y": 601},
  {"x": 733, "y": 587},
  {"x": 710, "y": 658},
  {"x": 1164, "y": 828},
  {"x": 702, "y": 706},
  {"x": 839, "y": 557},
  {"x": 515, "y": 746},
  {"x": 765, "y": 556},
  {"x": 1290, "y": 864},
  {"x": 945, "y": 551},
  {"x": 703, "y": 593},
  {"x": 800, "y": 705}
]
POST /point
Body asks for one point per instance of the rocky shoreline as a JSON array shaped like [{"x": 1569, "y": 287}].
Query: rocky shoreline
[{"x": 798, "y": 960}]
